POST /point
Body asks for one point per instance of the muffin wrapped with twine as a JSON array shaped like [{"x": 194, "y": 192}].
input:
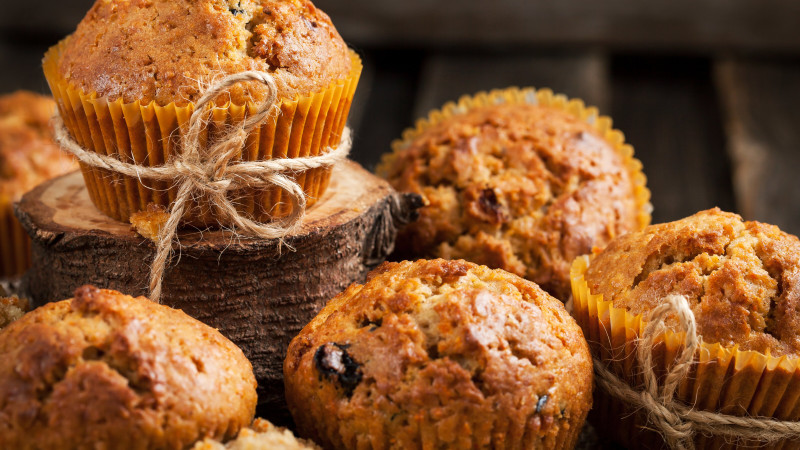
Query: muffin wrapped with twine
[
  {"x": 440, "y": 354},
  {"x": 28, "y": 156},
  {"x": 105, "y": 370},
  {"x": 129, "y": 78},
  {"x": 694, "y": 329},
  {"x": 519, "y": 180}
]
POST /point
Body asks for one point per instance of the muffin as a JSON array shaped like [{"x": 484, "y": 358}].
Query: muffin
[
  {"x": 742, "y": 282},
  {"x": 261, "y": 435},
  {"x": 28, "y": 156},
  {"x": 127, "y": 81},
  {"x": 519, "y": 180},
  {"x": 440, "y": 354},
  {"x": 105, "y": 370}
]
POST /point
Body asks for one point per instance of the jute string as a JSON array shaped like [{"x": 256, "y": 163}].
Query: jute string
[
  {"x": 677, "y": 422},
  {"x": 211, "y": 171}
]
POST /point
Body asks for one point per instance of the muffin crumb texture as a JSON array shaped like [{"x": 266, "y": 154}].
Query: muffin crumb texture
[
  {"x": 105, "y": 370},
  {"x": 170, "y": 51},
  {"x": 520, "y": 187},
  {"x": 11, "y": 309},
  {"x": 440, "y": 354},
  {"x": 262, "y": 435},
  {"x": 28, "y": 155},
  {"x": 742, "y": 279}
]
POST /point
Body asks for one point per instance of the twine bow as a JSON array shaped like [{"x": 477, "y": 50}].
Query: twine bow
[
  {"x": 212, "y": 172},
  {"x": 674, "y": 420}
]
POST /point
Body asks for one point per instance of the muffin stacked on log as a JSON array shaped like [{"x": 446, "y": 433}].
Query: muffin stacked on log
[
  {"x": 129, "y": 77},
  {"x": 433, "y": 354},
  {"x": 519, "y": 180},
  {"x": 28, "y": 156},
  {"x": 107, "y": 370}
]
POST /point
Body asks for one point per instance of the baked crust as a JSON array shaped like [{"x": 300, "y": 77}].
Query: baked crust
[
  {"x": 437, "y": 354},
  {"x": 524, "y": 188},
  {"x": 169, "y": 51},
  {"x": 28, "y": 155},
  {"x": 261, "y": 435},
  {"x": 742, "y": 279},
  {"x": 105, "y": 370}
]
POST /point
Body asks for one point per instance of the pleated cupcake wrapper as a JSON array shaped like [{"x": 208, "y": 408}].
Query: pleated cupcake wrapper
[
  {"x": 723, "y": 379},
  {"x": 15, "y": 245},
  {"x": 544, "y": 97},
  {"x": 145, "y": 134}
]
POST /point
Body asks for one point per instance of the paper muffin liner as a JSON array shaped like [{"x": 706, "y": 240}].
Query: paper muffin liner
[
  {"x": 145, "y": 134},
  {"x": 15, "y": 257},
  {"x": 544, "y": 97},
  {"x": 723, "y": 379}
]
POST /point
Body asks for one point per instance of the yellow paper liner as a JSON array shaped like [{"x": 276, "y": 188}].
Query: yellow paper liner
[
  {"x": 145, "y": 134},
  {"x": 15, "y": 245},
  {"x": 544, "y": 97},
  {"x": 724, "y": 379}
]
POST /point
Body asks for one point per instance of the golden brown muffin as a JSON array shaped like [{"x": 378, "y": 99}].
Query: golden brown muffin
[
  {"x": 262, "y": 435},
  {"x": 11, "y": 309},
  {"x": 440, "y": 354},
  {"x": 167, "y": 51},
  {"x": 133, "y": 73},
  {"x": 742, "y": 279},
  {"x": 28, "y": 156},
  {"x": 105, "y": 370},
  {"x": 521, "y": 187}
]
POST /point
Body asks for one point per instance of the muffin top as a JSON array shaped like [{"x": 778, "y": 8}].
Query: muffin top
[
  {"x": 262, "y": 435},
  {"x": 105, "y": 369},
  {"x": 742, "y": 279},
  {"x": 439, "y": 351},
  {"x": 28, "y": 155},
  {"x": 168, "y": 51},
  {"x": 520, "y": 187}
]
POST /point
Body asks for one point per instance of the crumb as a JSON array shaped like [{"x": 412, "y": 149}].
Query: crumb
[
  {"x": 148, "y": 223},
  {"x": 11, "y": 309}
]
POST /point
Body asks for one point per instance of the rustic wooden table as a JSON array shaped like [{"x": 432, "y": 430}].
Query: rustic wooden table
[{"x": 706, "y": 91}]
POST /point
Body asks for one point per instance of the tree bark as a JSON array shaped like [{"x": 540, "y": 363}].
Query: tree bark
[{"x": 258, "y": 293}]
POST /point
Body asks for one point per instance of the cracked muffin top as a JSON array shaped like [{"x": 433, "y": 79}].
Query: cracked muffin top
[
  {"x": 261, "y": 435},
  {"x": 105, "y": 370},
  {"x": 440, "y": 354},
  {"x": 28, "y": 155},
  {"x": 742, "y": 279},
  {"x": 168, "y": 51},
  {"x": 519, "y": 187}
]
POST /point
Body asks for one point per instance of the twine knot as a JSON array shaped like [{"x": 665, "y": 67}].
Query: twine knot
[
  {"x": 676, "y": 421},
  {"x": 214, "y": 171}
]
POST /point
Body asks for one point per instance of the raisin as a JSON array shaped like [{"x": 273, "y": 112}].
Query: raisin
[
  {"x": 333, "y": 361},
  {"x": 236, "y": 11},
  {"x": 540, "y": 404}
]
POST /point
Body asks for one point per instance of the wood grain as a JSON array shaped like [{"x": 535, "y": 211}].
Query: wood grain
[
  {"x": 760, "y": 102},
  {"x": 692, "y": 25},
  {"x": 257, "y": 293},
  {"x": 446, "y": 76},
  {"x": 668, "y": 111}
]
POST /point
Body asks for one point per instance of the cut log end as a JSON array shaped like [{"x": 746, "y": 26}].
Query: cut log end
[{"x": 258, "y": 293}]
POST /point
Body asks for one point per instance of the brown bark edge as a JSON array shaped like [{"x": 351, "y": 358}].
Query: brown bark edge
[{"x": 256, "y": 293}]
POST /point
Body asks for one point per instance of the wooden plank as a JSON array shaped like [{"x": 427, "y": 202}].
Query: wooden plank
[
  {"x": 389, "y": 102},
  {"x": 668, "y": 111},
  {"x": 22, "y": 67},
  {"x": 448, "y": 76},
  {"x": 760, "y": 103},
  {"x": 630, "y": 24}
]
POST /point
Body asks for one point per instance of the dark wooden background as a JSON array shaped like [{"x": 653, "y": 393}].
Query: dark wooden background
[{"x": 707, "y": 91}]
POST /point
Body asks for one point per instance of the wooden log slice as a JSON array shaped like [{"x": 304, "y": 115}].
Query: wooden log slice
[{"x": 256, "y": 292}]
